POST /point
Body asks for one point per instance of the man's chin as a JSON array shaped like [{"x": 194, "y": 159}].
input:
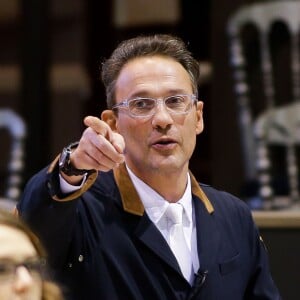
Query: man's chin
[{"x": 169, "y": 164}]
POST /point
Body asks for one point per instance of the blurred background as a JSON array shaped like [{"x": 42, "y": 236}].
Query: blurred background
[
  {"x": 51, "y": 52},
  {"x": 50, "y": 57}
]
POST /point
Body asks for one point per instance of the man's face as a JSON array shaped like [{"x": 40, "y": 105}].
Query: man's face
[{"x": 163, "y": 142}]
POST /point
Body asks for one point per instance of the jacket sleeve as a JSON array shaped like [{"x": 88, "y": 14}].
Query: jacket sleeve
[{"x": 51, "y": 215}]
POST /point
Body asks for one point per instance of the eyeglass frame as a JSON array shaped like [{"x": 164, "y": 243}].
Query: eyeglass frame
[
  {"x": 125, "y": 104},
  {"x": 33, "y": 266}
]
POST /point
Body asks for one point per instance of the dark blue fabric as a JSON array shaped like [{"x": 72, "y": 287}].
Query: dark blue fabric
[{"x": 99, "y": 251}]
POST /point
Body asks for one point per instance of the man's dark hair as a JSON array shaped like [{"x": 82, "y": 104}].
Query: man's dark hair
[{"x": 159, "y": 44}]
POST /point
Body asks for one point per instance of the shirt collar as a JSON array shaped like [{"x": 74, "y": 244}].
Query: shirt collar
[
  {"x": 155, "y": 205},
  {"x": 129, "y": 197}
]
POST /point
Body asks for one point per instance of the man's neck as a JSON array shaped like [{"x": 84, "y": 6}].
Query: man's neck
[{"x": 170, "y": 185}]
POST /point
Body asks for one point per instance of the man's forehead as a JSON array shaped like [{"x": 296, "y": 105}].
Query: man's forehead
[{"x": 152, "y": 76}]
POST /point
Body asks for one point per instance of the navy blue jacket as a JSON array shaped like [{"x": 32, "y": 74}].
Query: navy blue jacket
[{"x": 102, "y": 245}]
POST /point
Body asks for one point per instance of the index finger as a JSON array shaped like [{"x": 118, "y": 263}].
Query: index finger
[{"x": 97, "y": 125}]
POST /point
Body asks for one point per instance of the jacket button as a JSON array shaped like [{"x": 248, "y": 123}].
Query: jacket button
[{"x": 80, "y": 258}]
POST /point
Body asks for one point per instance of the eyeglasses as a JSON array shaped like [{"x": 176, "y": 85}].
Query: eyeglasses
[
  {"x": 35, "y": 267},
  {"x": 145, "y": 106}
]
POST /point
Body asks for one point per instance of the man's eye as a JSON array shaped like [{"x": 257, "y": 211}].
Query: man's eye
[
  {"x": 142, "y": 103},
  {"x": 175, "y": 100}
]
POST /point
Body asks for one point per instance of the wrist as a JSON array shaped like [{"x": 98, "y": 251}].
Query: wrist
[
  {"x": 74, "y": 180},
  {"x": 65, "y": 165}
]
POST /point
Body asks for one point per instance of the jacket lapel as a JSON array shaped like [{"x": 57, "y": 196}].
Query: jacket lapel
[
  {"x": 208, "y": 236},
  {"x": 150, "y": 236},
  {"x": 147, "y": 232}
]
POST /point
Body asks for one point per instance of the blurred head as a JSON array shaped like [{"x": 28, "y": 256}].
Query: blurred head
[
  {"x": 22, "y": 261},
  {"x": 143, "y": 46}
]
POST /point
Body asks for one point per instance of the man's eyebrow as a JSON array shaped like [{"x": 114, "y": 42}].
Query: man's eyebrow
[
  {"x": 143, "y": 93},
  {"x": 139, "y": 94}
]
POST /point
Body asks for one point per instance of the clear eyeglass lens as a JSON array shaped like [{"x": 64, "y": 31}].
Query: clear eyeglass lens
[
  {"x": 175, "y": 104},
  {"x": 141, "y": 106},
  {"x": 8, "y": 269},
  {"x": 35, "y": 267}
]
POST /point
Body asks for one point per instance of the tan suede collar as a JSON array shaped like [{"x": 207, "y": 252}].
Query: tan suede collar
[{"x": 133, "y": 204}]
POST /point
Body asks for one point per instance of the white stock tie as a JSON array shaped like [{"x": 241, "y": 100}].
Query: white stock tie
[{"x": 177, "y": 240}]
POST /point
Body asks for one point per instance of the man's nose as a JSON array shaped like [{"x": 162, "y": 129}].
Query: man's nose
[
  {"x": 23, "y": 279},
  {"x": 162, "y": 117}
]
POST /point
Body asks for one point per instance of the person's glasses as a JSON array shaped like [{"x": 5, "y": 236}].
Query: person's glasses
[
  {"x": 146, "y": 107},
  {"x": 35, "y": 267}
]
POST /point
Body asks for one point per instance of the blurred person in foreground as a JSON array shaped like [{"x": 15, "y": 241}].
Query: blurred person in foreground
[
  {"x": 102, "y": 207},
  {"x": 23, "y": 263}
]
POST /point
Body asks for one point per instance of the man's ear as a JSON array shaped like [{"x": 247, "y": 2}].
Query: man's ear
[
  {"x": 109, "y": 117},
  {"x": 199, "y": 112}
]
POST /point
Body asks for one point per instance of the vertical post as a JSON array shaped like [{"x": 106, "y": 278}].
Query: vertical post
[
  {"x": 100, "y": 40},
  {"x": 35, "y": 82}
]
